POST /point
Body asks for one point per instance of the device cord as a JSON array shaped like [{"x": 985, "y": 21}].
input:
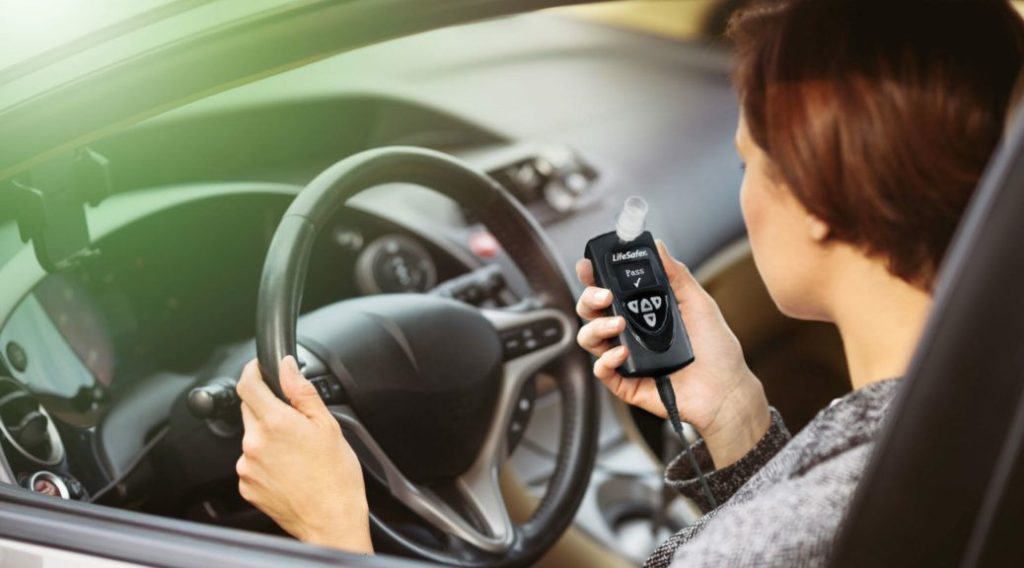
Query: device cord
[
  {"x": 668, "y": 398},
  {"x": 132, "y": 465}
]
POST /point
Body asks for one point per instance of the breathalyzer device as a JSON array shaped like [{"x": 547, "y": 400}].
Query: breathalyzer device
[{"x": 626, "y": 262}]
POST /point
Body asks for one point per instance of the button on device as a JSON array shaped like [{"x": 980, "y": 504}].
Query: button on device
[{"x": 648, "y": 312}]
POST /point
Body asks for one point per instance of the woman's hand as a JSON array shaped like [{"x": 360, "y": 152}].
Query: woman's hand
[
  {"x": 296, "y": 465},
  {"x": 717, "y": 393}
]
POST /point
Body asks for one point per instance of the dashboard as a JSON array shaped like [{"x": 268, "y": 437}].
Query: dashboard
[
  {"x": 161, "y": 297},
  {"x": 155, "y": 300}
]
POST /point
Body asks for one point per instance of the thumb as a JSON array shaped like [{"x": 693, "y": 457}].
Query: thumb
[
  {"x": 678, "y": 275},
  {"x": 301, "y": 393},
  {"x": 685, "y": 286},
  {"x": 585, "y": 272}
]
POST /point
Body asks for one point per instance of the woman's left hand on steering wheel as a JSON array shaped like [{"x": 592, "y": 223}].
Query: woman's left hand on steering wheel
[{"x": 321, "y": 501}]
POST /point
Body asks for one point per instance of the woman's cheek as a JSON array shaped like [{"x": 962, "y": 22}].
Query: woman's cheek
[
  {"x": 747, "y": 207},
  {"x": 769, "y": 242},
  {"x": 753, "y": 212}
]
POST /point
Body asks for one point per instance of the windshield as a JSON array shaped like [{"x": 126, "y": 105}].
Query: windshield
[{"x": 37, "y": 32}]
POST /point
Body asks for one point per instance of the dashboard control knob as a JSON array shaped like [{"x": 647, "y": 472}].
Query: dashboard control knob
[{"x": 215, "y": 399}]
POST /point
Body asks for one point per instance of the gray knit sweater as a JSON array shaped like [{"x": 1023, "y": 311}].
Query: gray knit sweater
[{"x": 781, "y": 504}]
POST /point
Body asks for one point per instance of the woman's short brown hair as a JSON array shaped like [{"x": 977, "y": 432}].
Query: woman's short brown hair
[{"x": 880, "y": 115}]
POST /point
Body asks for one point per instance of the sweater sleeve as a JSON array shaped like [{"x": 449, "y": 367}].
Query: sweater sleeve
[{"x": 726, "y": 481}]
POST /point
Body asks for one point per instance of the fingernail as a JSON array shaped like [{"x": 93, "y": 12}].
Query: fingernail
[
  {"x": 612, "y": 324},
  {"x": 602, "y": 295},
  {"x": 618, "y": 352}
]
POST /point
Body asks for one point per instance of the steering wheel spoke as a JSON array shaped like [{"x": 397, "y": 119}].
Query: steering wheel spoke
[
  {"x": 481, "y": 490},
  {"x": 531, "y": 338},
  {"x": 478, "y": 486}
]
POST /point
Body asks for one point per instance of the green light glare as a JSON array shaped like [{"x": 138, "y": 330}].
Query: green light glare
[{"x": 32, "y": 27}]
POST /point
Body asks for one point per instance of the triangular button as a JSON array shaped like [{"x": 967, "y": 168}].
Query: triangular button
[
  {"x": 651, "y": 320},
  {"x": 656, "y": 300},
  {"x": 633, "y": 306},
  {"x": 645, "y": 306}
]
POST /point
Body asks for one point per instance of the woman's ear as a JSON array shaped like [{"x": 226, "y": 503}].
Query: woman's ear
[{"x": 817, "y": 229}]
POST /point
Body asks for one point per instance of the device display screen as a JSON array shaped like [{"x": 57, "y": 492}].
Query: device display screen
[{"x": 635, "y": 275}]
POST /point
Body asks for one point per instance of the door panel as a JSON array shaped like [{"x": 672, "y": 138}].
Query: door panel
[{"x": 15, "y": 554}]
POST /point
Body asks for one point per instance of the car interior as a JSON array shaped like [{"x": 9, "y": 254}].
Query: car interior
[{"x": 476, "y": 162}]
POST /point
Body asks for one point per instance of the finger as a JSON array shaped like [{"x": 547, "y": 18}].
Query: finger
[
  {"x": 252, "y": 440},
  {"x": 617, "y": 385},
  {"x": 593, "y": 302},
  {"x": 300, "y": 392},
  {"x": 249, "y": 421},
  {"x": 677, "y": 272},
  {"x": 685, "y": 286},
  {"x": 595, "y": 335},
  {"x": 247, "y": 490},
  {"x": 606, "y": 366},
  {"x": 606, "y": 372},
  {"x": 242, "y": 468},
  {"x": 255, "y": 393},
  {"x": 585, "y": 271},
  {"x": 253, "y": 445}
]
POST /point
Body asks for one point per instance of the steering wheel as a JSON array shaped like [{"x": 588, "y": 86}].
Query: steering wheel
[{"x": 429, "y": 384}]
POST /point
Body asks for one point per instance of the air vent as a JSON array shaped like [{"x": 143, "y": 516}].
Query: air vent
[
  {"x": 555, "y": 176},
  {"x": 26, "y": 426}
]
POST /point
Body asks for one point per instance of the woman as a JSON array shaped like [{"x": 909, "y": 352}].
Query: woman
[{"x": 864, "y": 128}]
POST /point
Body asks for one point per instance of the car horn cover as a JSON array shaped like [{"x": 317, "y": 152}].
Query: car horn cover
[{"x": 422, "y": 372}]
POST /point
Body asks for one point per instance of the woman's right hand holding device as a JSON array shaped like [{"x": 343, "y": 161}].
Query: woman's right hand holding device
[{"x": 717, "y": 393}]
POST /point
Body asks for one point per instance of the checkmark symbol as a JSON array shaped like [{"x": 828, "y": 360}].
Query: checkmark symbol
[{"x": 637, "y": 283}]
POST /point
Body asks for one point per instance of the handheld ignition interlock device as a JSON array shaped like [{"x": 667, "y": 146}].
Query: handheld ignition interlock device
[{"x": 626, "y": 262}]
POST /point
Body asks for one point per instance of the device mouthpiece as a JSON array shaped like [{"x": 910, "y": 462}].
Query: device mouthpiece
[{"x": 632, "y": 220}]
